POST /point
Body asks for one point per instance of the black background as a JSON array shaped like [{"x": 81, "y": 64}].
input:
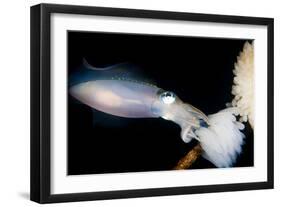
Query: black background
[{"x": 198, "y": 70}]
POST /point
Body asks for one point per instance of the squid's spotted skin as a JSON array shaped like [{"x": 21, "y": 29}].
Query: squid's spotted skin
[{"x": 131, "y": 99}]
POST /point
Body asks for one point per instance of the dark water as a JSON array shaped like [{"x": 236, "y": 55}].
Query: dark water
[{"x": 198, "y": 70}]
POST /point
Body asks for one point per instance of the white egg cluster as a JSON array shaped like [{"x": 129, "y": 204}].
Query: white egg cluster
[
  {"x": 243, "y": 84},
  {"x": 222, "y": 141}
]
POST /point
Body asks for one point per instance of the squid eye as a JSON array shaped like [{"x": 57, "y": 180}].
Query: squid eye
[{"x": 168, "y": 97}]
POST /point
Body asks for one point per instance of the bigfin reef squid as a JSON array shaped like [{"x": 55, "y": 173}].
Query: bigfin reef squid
[{"x": 129, "y": 98}]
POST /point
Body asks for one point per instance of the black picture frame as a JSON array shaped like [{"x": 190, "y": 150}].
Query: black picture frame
[{"x": 40, "y": 184}]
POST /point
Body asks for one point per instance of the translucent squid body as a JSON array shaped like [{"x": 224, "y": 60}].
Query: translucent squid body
[{"x": 131, "y": 99}]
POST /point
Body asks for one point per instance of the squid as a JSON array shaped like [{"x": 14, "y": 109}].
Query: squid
[
  {"x": 135, "y": 99},
  {"x": 220, "y": 134}
]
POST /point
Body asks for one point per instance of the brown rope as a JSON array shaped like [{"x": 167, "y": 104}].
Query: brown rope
[{"x": 189, "y": 158}]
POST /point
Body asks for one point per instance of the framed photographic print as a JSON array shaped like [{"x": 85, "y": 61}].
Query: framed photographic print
[{"x": 133, "y": 103}]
